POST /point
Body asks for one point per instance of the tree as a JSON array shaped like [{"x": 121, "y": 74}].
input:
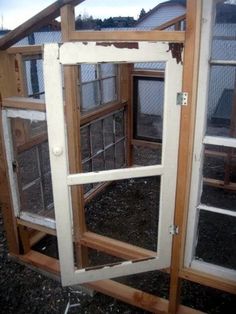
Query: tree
[{"x": 142, "y": 13}]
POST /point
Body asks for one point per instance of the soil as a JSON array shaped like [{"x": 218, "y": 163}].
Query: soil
[{"x": 23, "y": 290}]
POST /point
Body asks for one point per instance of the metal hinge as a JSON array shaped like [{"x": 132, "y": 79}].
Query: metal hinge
[
  {"x": 182, "y": 99},
  {"x": 173, "y": 229}
]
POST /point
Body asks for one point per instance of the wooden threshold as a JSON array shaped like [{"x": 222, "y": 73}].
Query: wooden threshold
[
  {"x": 24, "y": 103},
  {"x": 153, "y": 35},
  {"x": 115, "y": 247}
]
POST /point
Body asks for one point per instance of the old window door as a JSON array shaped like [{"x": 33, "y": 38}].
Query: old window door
[{"x": 55, "y": 56}]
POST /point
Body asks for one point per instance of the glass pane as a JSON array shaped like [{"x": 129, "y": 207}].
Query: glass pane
[
  {"x": 107, "y": 69},
  {"x": 96, "y": 136},
  {"x": 107, "y": 139},
  {"x": 119, "y": 125},
  {"x": 44, "y": 158},
  {"x": 108, "y": 90},
  {"x": 127, "y": 211},
  {"x": 224, "y": 43},
  {"x": 88, "y": 72},
  {"x": 148, "y": 104},
  {"x": 31, "y": 199},
  {"x": 85, "y": 142},
  {"x": 28, "y": 166},
  {"x": 219, "y": 177},
  {"x": 90, "y": 95},
  {"x": 47, "y": 191},
  {"x": 110, "y": 158},
  {"x": 145, "y": 156},
  {"x": 108, "y": 130},
  {"x": 216, "y": 239},
  {"x": 120, "y": 154},
  {"x": 222, "y": 101}
]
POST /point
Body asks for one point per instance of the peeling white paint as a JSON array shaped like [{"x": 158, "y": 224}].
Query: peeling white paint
[
  {"x": 78, "y": 52},
  {"x": 26, "y": 114}
]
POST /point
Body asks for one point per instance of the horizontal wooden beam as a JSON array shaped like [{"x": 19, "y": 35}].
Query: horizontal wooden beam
[
  {"x": 130, "y": 295},
  {"x": 24, "y": 103},
  {"x": 37, "y": 227},
  {"x": 36, "y": 22},
  {"x": 148, "y": 73},
  {"x": 111, "y": 288},
  {"x": 171, "y": 22},
  {"x": 220, "y": 184},
  {"x": 26, "y": 50},
  {"x": 208, "y": 280},
  {"x": 115, "y": 247},
  {"x": 153, "y": 35},
  {"x": 148, "y": 144},
  {"x": 100, "y": 112}
]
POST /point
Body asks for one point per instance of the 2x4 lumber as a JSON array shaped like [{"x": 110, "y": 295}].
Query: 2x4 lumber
[
  {"x": 172, "y": 22},
  {"x": 138, "y": 298},
  {"x": 7, "y": 88},
  {"x": 26, "y": 50},
  {"x": 101, "y": 112},
  {"x": 24, "y": 103},
  {"x": 36, "y": 22},
  {"x": 131, "y": 296},
  {"x": 112, "y": 288},
  {"x": 231, "y": 186},
  {"x": 72, "y": 115},
  {"x": 37, "y": 227},
  {"x": 148, "y": 144},
  {"x": 154, "y": 35},
  {"x": 32, "y": 142},
  {"x": 41, "y": 261},
  {"x": 208, "y": 280},
  {"x": 125, "y": 91},
  {"x": 148, "y": 73},
  {"x": 115, "y": 247},
  {"x": 186, "y": 140}
]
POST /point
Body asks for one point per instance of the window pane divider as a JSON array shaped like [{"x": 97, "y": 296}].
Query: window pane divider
[
  {"x": 220, "y": 141},
  {"x": 217, "y": 210}
]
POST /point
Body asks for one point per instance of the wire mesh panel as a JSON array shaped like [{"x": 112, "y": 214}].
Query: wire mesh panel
[
  {"x": 148, "y": 108},
  {"x": 34, "y": 76}
]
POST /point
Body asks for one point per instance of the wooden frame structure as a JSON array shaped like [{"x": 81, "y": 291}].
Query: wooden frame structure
[{"x": 11, "y": 96}]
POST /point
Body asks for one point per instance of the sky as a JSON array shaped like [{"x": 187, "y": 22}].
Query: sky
[{"x": 15, "y": 12}]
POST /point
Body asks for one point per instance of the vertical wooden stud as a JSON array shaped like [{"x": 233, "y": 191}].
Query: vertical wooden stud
[
  {"x": 190, "y": 74},
  {"x": 125, "y": 91},
  {"x": 72, "y": 111},
  {"x": 7, "y": 88}
]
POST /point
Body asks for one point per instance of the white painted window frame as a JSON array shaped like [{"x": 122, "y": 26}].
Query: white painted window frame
[
  {"x": 198, "y": 156},
  {"x": 7, "y": 114},
  {"x": 90, "y": 52}
]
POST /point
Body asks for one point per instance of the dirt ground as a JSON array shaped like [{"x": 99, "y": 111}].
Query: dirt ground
[{"x": 25, "y": 291}]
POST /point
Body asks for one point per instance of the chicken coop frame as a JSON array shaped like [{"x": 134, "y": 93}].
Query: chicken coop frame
[{"x": 22, "y": 233}]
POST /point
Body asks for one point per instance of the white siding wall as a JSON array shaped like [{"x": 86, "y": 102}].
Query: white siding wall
[{"x": 162, "y": 15}]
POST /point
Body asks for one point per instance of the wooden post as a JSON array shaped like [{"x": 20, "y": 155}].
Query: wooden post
[
  {"x": 7, "y": 88},
  {"x": 190, "y": 74},
  {"x": 125, "y": 92},
  {"x": 72, "y": 111}
]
